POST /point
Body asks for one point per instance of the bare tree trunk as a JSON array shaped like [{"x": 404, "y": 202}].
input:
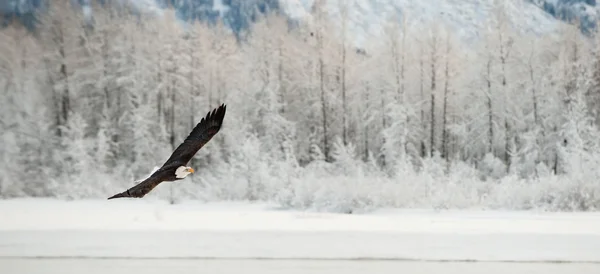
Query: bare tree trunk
[
  {"x": 489, "y": 106},
  {"x": 159, "y": 95},
  {"x": 504, "y": 53},
  {"x": 172, "y": 116},
  {"x": 280, "y": 79},
  {"x": 344, "y": 100},
  {"x": 193, "y": 89},
  {"x": 55, "y": 100},
  {"x": 396, "y": 66},
  {"x": 343, "y": 76},
  {"x": 159, "y": 106},
  {"x": 210, "y": 87},
  {"x": 322, "y": 89},
  {"x": 366, "y": 129},
  {"x": 432, "y": 126},
  {"x": 433, "y": 87},
  {"x": 535, "y": 112},
  {"x": 194, "y": 94},
  {"x": 116, "y": 136},
  {"x": 383, "y": 122},
  {"x": 556, "y": 156},
  {"x": 445, "y": 106},
  {"x": 534, "y": 96},
  {"x": 422, "y": 90},
  {"x": 65, "y": 99},
  {"x": 323, "y": 109},
  {"x": 402, "y": 63},
  {"x": 219, "y": 86},
  {"x": 507, "y": 147},
  {"x": 105, "y": 58}
]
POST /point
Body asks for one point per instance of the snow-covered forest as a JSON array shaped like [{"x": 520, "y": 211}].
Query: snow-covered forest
[{"x": 94, "y": 99}]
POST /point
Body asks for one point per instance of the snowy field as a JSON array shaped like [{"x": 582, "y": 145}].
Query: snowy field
[{"x": 97, "y": 236}]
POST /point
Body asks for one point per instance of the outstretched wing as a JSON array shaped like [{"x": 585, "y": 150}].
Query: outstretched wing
[
  {"x": 200, "y": 135},
  {"x": 141, "y": 189}
]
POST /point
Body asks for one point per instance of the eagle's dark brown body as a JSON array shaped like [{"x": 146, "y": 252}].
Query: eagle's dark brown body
[
  {"x": 141, "y": 189},
  {"x": 200, "y": 135}
]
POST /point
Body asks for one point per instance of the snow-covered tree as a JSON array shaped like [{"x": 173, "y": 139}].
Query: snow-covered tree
[{"x": 95, "y": 99}]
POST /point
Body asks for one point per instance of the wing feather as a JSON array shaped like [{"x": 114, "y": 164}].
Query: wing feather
[
  {"x": 200, "y": 135},
  {"x": 141, "y": 189}
]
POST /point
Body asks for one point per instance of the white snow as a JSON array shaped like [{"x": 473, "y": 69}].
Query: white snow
[
  {"x": 220, "y": 7},
  {"x": 146, "y": 214},
  {"x": 154, "y": 229},
  {"x": 78, "y": 266},
  {"x": 147, "y": 6},
  {"x": 152, "y": 236}
]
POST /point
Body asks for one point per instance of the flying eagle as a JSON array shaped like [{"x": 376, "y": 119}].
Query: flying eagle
[{"x": 175, "y": 167}]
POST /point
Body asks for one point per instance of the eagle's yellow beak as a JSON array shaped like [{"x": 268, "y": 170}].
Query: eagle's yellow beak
[{"x": 191, "y": 170}]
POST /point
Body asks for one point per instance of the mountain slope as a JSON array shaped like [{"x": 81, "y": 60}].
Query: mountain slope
[
  {"x": 366, "y": 16},
  {"x": 585, "y": 11},
  {"x": 464, "y": 16}
]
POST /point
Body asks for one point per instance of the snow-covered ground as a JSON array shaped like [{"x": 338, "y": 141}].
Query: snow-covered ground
[
  {"x": 44, "y": 235},
  {"x": 113, "y": 266}
]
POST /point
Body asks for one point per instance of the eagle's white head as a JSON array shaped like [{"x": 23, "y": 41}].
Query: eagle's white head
[{"x": 183, "y": 171}]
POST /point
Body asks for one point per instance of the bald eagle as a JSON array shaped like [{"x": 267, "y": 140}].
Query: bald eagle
[{"x": 175, "y": 168}]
